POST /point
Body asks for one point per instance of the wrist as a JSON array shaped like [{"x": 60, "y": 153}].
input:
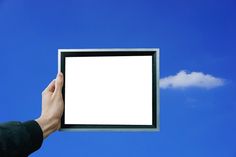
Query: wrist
[{"x": 48, "y": 126}]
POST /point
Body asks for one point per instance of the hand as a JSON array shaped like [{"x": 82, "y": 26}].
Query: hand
[{"x": 52, "y": 106}]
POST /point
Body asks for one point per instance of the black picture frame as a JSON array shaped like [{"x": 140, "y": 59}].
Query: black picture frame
[{"x": 154, "y": 52}]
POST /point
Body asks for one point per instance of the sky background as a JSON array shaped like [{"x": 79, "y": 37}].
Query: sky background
[{"x": 196, "y": 36}]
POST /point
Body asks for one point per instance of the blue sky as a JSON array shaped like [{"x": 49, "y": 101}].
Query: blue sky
[{"x": 196, "y": 36}]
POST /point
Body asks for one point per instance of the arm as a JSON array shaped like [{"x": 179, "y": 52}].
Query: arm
[{"x": 21, "y": 139}]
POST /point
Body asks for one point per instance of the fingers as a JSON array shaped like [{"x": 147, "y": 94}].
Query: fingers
[
  {"x": 59, "y": 82},
  {"x": 50, "y": 87}
]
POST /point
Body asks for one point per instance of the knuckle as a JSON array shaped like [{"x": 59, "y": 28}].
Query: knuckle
[{"x": 59, "y": 82}]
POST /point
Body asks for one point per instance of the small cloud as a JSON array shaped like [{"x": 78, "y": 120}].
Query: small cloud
[{"x": 193, "y": 79}]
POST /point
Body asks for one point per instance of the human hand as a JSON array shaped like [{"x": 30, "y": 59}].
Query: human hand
[{"x": 52, "y": 106}]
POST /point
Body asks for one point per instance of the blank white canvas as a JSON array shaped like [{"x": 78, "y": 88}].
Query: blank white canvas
[{"x": 113, "y": 90}]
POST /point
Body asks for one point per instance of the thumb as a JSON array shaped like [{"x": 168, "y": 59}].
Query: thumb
[{"x": 59, "y": 82}]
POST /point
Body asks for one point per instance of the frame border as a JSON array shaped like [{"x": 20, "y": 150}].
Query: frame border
[{"x": 154, "y": 52}]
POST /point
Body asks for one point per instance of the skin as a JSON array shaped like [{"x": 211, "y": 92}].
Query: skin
[{"x": 52, "y": 106}]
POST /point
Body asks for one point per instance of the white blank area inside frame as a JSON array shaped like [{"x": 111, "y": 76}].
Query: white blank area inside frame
[{"x": 108, "y": 90}]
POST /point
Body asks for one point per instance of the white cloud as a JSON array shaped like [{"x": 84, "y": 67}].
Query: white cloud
[{"x": 193, "y": 79}]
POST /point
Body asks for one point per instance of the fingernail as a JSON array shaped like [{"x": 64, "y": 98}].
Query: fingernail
[{"x": 60, "y": 74}]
